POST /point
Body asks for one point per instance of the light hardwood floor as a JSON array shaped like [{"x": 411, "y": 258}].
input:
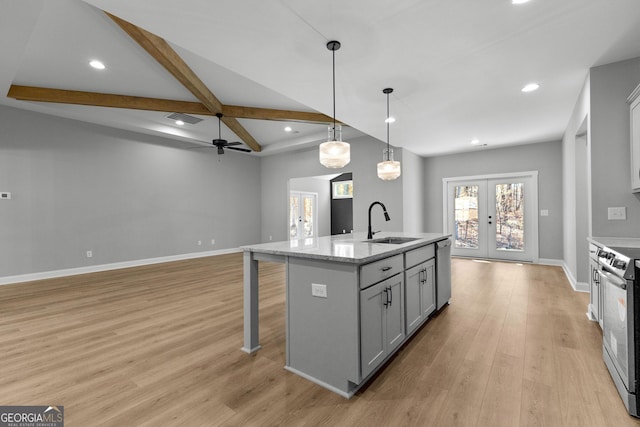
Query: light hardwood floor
[{"x": 160, "y": 346}]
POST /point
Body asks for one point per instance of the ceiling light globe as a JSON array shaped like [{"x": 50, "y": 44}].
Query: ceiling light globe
[
  {"x": 389, "y": 170},
  {"x": 335, "y": 154}
]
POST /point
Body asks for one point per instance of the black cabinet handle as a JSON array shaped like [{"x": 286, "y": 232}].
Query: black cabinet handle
[
  {"x": 385, "y": 268},
  {"x": 390, "y": 293},
  {"x": 386, "y": 298}
]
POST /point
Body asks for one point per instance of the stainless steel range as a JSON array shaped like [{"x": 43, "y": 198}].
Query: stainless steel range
[{"x": 619, "y": 270}]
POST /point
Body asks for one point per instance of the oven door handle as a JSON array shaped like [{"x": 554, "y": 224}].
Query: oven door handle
[{"x": 614, "y": 280}]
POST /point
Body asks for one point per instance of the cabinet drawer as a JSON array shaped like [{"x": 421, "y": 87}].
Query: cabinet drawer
[
  {"x": 416, "y": 256},
  {"x": 380, "y": 270}
]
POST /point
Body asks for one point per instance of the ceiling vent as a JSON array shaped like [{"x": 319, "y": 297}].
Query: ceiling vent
[{"x": 184, "y": 117}]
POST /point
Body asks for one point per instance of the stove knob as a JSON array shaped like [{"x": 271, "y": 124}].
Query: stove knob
[{"x": 619, "y": 264}]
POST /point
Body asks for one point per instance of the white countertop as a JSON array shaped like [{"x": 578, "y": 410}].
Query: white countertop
[
  {"x": 350, "y": 248},
  {"x": 618, "y": 242}
]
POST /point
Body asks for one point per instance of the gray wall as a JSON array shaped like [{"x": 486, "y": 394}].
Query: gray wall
[
  {"x": 125, "y": 196},
  {"x": 413, "y": 192},
  {"x": 366, "y": 152},
  {"x": 546, "y": 158},
  {"x": 321, "y": 186},
  {"x": 610, "y": 168}
]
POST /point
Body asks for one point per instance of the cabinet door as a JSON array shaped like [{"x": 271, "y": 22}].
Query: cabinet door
[
  {"x": 394, "y": 313},
  {"x": 372, "y": 345},
  {"x": 428, "y": 291},
  {"x": 413, "y": 283}
]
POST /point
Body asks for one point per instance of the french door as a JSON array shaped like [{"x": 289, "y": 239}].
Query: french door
[
  {"x": 493, "y": 217},
  {"x": 303, "y": 221}
]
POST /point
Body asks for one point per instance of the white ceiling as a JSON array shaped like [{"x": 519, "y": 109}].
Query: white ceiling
[{"x": 456, "y": 66}]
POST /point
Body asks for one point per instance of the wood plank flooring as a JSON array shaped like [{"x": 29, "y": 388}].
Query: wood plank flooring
[{"x": 160, "y": 345}]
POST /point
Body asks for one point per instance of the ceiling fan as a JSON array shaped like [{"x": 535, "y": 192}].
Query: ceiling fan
[{"x": 222, "y": 143}]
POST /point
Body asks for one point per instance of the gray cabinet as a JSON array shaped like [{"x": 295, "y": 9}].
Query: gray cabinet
[
  {"x": 634, "y": 118},
  {"x": 420, "y": 293},
  {"x": 381, "y": 322}
]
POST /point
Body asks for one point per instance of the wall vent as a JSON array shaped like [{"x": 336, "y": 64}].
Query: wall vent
[{"x": 184, "y": 117}]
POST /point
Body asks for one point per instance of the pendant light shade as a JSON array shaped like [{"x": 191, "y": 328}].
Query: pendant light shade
[
  {"x": 388, "y": 169},
  {"x": 334, "y": 153}
]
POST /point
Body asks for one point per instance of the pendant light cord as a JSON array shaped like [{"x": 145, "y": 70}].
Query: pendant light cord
[
  {"x": 388, "y": 152},
  {"x": 334, "y": 94}
]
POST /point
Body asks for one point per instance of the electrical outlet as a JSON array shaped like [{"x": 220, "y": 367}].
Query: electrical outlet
[
  {"x": 270, "y": 238},
  {"x": 619, "y": 213},
  {"x": 89, "y": 254},
  {"x": 544, "y": 212},
  {"x": 199, "y": 242},
  {"x": 318, "y": 290},
  {"x": 213, "y": 241}
]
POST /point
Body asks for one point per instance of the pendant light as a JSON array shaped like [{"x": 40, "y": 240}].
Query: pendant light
[
  {"x": 334, "y": 153},
  {"x": 388, "y": 169}
]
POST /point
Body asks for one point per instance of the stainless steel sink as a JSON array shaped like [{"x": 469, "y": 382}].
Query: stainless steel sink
[{"x": 394, "y": 240}]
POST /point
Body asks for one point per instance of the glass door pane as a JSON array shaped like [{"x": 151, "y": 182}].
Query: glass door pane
[
  {"x": 467, "y": 221},
  {"x": 465, "y": 204},
  {"x": 294, "y": 217},
  {"x": 308, "y": 217},
  {"x": 509, "y": 199}
]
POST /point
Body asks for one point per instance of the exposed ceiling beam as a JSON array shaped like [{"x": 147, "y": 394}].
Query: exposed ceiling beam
[
  {"x": 240, "y": 112},
  {"x": 162, "y": 52},
  {"x": 96, "y": 99},
  {"x": 62, "y": 96}
]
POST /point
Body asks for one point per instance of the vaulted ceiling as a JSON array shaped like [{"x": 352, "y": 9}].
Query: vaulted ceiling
[{"x": 456, "y": 67}]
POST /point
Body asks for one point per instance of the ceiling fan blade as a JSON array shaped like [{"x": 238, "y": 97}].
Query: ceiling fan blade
[
  {"x": 239, "y": 149},
  {"x": 234, "y": 143}
]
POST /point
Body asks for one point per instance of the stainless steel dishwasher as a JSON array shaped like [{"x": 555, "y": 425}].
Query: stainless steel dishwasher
[{"x": 443, "y": 272}]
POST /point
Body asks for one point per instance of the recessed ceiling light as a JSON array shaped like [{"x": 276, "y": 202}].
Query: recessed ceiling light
[
  {"x": 179, "y": 122},
  {"x": 531, "y": 87},
  {"x": 475, "y": 141},
  {"x": 390, "y": 120},
  {"x": 97, "y": 64},
  {"x": 519, "y": 1},
  {"x": 288, "y": 129}
]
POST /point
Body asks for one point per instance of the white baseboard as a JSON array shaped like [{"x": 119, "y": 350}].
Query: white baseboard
[{"x": 114, "y": 266}]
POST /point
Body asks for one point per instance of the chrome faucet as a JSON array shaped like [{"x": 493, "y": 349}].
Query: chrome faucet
[{"x": 386, "y": 218}]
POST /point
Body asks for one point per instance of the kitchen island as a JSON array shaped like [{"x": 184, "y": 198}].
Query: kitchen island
[{"x": 350, "y": 302}]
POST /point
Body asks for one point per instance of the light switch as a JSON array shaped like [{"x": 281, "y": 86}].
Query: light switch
[
  {"x": 544, "y": 212},
  {"x": 318, "y": 290},
  {"x": 619, "y": 213}
]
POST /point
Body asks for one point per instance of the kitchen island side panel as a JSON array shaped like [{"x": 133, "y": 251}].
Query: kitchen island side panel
[{"x": 324, "y": 332}]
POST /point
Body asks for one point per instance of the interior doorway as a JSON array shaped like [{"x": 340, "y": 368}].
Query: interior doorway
[{"x": 493, "y": 216}]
